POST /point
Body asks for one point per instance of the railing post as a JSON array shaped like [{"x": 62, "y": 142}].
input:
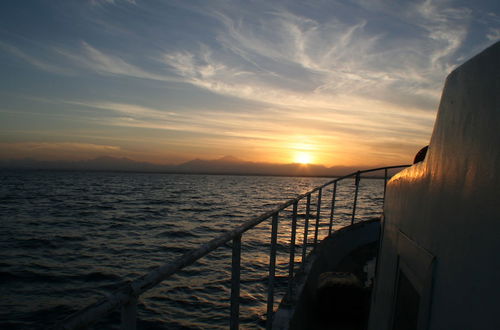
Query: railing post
[
  {"x": 235, "y": 283},
  {"x": 129, "y": 314},
  {"x": 334, "y": 195},
  {"x": 385, "y": 182},
  {"x": 306, "y": 228},
  {"x": 272, "y": 269},
  {"x": 318, "y": 214},
  {"x": 358, "y": 177},
  {"x": 292, "y": 242}
]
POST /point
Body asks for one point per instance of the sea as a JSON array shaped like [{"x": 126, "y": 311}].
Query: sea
[{"x": 68, "y": 239}]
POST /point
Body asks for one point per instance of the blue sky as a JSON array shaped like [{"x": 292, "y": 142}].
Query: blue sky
[{"x": 344, "y": 82}]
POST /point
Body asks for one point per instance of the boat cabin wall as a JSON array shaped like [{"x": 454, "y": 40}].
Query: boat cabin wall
[{"x": 438, "y": 263}]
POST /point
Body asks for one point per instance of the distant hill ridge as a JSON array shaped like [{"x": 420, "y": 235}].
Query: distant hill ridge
[{"x": 224, "y": 165}]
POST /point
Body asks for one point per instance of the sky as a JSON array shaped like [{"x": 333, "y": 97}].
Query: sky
[{"x": 326, "y": 82}]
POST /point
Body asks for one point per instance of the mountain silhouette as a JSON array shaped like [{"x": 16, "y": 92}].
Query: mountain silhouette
[{"x": 223, "y": 165}]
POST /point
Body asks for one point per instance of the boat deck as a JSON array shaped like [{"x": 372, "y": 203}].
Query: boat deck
[{"x": 333, "y": 289}]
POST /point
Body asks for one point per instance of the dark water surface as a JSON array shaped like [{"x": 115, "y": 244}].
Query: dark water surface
[{"x": 67, "y": 239}]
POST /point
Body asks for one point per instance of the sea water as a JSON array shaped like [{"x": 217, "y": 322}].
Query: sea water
[{"x": 68, "y": 239}]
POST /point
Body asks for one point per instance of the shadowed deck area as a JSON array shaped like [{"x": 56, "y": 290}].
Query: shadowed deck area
[{"x": 333, "y": 289}]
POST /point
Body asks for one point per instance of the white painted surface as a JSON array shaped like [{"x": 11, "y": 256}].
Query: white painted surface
[{"x": 449, "y": 206}]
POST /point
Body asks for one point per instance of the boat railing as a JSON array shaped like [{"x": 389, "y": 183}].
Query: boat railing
[{"x": 126, "y": 297}]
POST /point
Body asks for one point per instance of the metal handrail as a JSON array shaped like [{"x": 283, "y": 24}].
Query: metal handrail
[{"x": 127, "y": 296}]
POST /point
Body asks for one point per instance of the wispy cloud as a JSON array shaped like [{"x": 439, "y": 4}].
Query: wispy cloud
[
  {"x": 305, "y": 62},
  {"x": 288, "y": 59},
  {"x": 110, "y": 2},
  {"x": 35, "y": 61},
  {"x": 91, "y": 58},
  {"x": 493, "y": 34},
  {"x": 447, "y": 26},
  {"x": 127, "y": 109}
]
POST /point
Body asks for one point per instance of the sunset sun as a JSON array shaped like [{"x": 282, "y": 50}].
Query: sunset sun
[{"x": 303, "y": 158}]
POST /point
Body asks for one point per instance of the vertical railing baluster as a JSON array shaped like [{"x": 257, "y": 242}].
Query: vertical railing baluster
[
  {"x": 318, "y": 215},
  {"x": 358, "y": 177},
  {"x": 292, "y": 242},
  {"x": 385, "y": 182},
  {"x": 272, "y": 270},
  {"x": 306, "y": 227},
  {"x": 129, "y": 314},
  {"x": 334, "y": 195},
  {"x": 235, "y": 283}
]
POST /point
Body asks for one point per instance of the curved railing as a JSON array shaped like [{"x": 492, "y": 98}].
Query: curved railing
[{"x": 127, "y": 296}]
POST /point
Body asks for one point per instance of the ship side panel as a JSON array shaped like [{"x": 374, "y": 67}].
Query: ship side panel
[{"x": 442, "y": 216}]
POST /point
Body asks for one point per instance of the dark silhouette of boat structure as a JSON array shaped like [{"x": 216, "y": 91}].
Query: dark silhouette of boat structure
[{"x": 431, "y": 262}]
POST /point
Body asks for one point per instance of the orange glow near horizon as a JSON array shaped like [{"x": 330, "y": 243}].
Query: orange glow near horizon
[
  {"x": 303, "y": 150},
  {"x": 303, "y": 158}
]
